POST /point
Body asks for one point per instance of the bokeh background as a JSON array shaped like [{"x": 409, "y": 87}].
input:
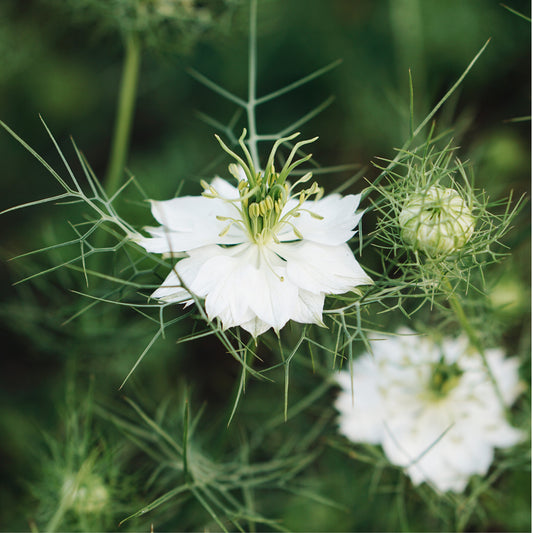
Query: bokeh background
[{"x": 63, "y": 60}]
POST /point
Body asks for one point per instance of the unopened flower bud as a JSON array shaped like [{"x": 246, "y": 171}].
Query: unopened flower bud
[
  {"x": 88, "y": 495},
  {"x": 437, "y": 221}
]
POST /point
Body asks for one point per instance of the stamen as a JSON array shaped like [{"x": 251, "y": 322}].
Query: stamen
[
  {"x": 267, "y": 262},
  {"x": 296, "y": 231},
  {"x": 304, "y": 179},
  {"x": 314, "y": 215},
  {"x": 234, "y": 171},
  {"x": 262, "y": 208},
  {"x": 225, "y": 230}
]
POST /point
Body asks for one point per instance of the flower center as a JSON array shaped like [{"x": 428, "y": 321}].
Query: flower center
[
  {"x": 265, "y": 212},
  {"x": 264, "y": 195},
  {"x": 444, "y": 377}
]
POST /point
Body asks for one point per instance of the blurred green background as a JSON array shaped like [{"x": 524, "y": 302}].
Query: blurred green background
[{"x": 62, "y": 60}]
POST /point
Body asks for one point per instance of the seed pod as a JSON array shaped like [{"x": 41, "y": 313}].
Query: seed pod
[{"x": 437, "y": 221}]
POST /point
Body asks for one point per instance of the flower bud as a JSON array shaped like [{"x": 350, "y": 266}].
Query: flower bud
[
  {"x": 88, "y": 495},
  {"x": 437, "y": 221}
]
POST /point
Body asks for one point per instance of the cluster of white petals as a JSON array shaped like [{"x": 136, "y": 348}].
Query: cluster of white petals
[
  {"x": 257, "y": 264},
  {"x": 432, "y": 407}
]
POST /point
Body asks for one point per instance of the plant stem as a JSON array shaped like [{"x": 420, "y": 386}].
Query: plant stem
[
  {"x": 252, "y": 65},
  {"x": 471, "y": 333},
  {"x": 121, "y": 137},
  {"x": 407, "y": 27},
  {"x": 124, "y": 116}
]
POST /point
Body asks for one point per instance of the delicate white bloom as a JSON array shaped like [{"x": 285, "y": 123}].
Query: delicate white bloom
[
  {"x": 432, "y": 407},
  {"x": 260, "y": 254},
  {"x": 436, "y": 221}
]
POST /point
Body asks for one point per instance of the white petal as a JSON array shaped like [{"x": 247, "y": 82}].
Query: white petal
[
  {"x": 191, "y": 222},
  {"x": 164, "y": 241},
  {"x": 225, "y": 189},
  {"x": 505, "y": 371},
  {"x": 255, "y": 326},
  {"x": 244, "y": 285},
  {"x": 321, "y": 268},
  {"x": 468, "y": 452},
  {"x": 434, "y": 469},
  {"x": 275, "y": 298},
  {"x": 171, "y": 290},
  {"x": 308, "y": 307},
  {"x": 361, "y": 413},
  {"x": 221, "y": 277},
  {"x": 186, "y": 212},
  {"x": 502, "y": 435},
  {"x": 336, "y": 225},
  {"x": 241, "y": 284}
]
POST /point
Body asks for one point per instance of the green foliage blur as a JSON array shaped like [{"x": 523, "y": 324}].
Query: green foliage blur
[{"x": 61, "y": 410}]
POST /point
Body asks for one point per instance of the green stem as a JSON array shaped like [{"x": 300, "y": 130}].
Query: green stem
[
  {"x": 407, "y": 27},
  {"x": 252, "y": 65},
  {"x": 123, "y": 121},
  {"x": 471, "y": 333},
  {"x": 121, "y": 136}
]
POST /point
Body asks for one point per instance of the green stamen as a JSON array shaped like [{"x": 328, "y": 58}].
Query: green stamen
[
  {"x": 444, "y": 378},
  {"x": 264, "y": 195}
]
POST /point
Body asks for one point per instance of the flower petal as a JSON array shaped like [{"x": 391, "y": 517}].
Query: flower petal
[
  {"x": 255, "y": 327},
  {"x": 274, "y": 296},
  {"x": 242, "y": 285},
  {"x": 308, "y": 307},
  {"x": 338, "y": 219},
  {"x": 321, "y": 268},
  {"x": 210, "y": 272},
  {"x": 226, "y": 190},
  {"x": 171, "y": 290},
  {"x": 191, "y": 222},
  {"x": 361, "y": 409}
]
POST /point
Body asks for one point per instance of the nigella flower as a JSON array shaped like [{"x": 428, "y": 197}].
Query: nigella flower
[
  {"x": 259, "y": 253},
  {"x": 432, "y": 407}
]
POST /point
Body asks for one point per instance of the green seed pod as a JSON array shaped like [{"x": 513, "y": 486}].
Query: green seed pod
[{"x": 437, "y": 221}]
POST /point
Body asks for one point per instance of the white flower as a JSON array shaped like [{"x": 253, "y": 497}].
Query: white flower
[
  {"x": 260, "y": 254},
  {"x": 436, "y": 221},
  {"x": 432, "y": 407}
]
